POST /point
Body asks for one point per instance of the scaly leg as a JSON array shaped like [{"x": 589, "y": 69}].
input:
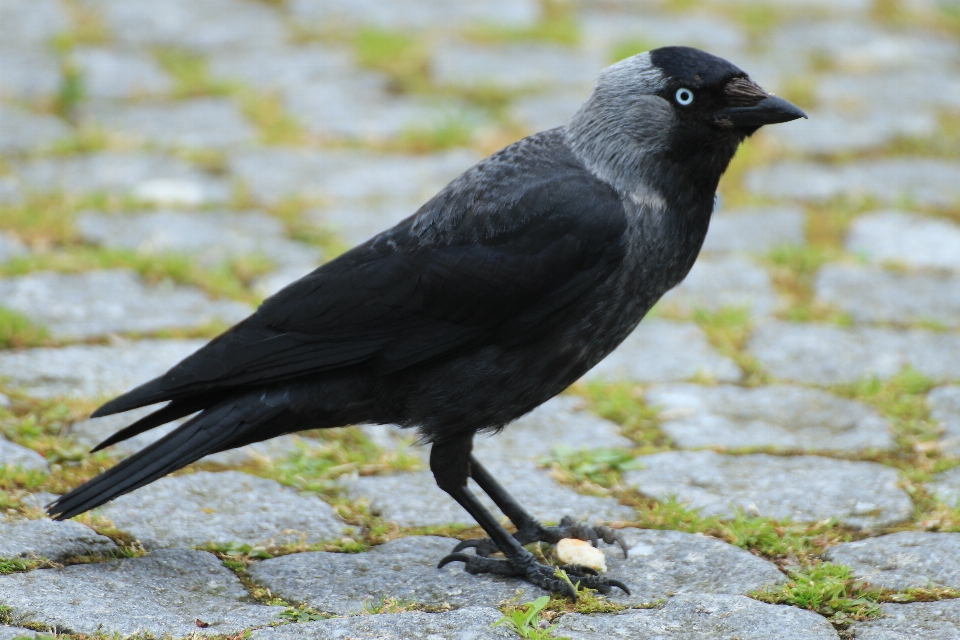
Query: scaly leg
[{"x": 450, "y": 463}]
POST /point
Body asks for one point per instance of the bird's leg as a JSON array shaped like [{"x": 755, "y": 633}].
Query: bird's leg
[
  {"x": 450, "y": 463},
  {"x": 529, "y": 529}
]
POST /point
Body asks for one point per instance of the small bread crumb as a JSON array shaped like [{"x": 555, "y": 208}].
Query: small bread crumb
[{"x": 571, "y": 551}]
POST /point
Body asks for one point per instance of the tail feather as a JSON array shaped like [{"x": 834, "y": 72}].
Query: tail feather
[
  {"x": 166, "y": 414},
  {"x": 211, "y": 431}
]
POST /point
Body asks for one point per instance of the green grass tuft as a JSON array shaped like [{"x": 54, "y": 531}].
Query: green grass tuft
[
  {"x": 402, "y": 57},
  {"x": 17, "y": 331},
  {"x": 191, "y": 78},
  {"x": 828, "y": 589},
  {"x": 525, "y": 620}
]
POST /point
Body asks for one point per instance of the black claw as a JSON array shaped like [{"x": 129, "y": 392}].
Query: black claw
[{"x": 454, "y": 557}]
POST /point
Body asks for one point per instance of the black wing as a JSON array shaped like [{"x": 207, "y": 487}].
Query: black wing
[{"x": 468, "y": 268}]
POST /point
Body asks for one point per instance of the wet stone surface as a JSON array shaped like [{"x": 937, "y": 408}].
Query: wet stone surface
[
  {"x": 98, "y": 303},
  {"x": 661, "y": 350},
  {"x": 50, "y": 540},
  {"x": 905, "y": 560},
  {"x": 697, "y": 617},
  {"x": 10, "y": 248},
  {"x": 802, "y": 488},
  {"x": 929, "y": 620},
  {"x": 946, "y": 486},
  {"x": 164, "y": 592},
  {"x": 207, "y": 507},
  {"x": 780, "y": 416}
]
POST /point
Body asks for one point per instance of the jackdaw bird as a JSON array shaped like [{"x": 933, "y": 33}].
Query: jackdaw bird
[{"x": 495, "y": 296}]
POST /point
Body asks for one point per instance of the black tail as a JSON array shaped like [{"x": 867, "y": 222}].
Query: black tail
[{"x": 213, "y": 430}]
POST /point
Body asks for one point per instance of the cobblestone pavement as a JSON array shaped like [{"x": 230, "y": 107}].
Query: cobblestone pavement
[{"x": 779, "y": 442}]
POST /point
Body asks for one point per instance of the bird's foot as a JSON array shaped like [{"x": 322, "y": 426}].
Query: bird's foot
[
  {"x": 552, "y": 535},
  {"x": 544, "y": 576}
]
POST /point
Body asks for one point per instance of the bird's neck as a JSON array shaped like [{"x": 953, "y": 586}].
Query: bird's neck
[{"x": 638, "y": 158}]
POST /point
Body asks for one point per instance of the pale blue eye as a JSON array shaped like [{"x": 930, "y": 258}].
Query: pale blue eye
[{"x": 684, "y": 96}]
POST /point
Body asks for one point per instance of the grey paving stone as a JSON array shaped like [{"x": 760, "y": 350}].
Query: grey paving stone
[
  {"x": 898, "y": 237},
  {"x": 52, "y": 540},
  {"x": 921, "y": 180},
  {"x": 904, "y": 560},
  {"x": 716, "y": 283},
  {"x": 412, "y": 499},
  {"x": 92, "y": 370},
  {"x": 21, "y": 130},
  {"x": 803, "y": 488},
  {"x": 858, "y": 45},
  {"x": 365, "y": 111},
  {"x": 944, "y": 403},
  {"x": 211, "y": 236},
  {"x": 10, "y": 247},
  {"x": 97, "y": 303},
  {"x": 346, "y": 583},
  {"x": 702, "y": 617},
  {"x": 152, "y": 177},
  {"x": 120, "y": 73},
  {"x": 781, "y": 416},
  {"x": 16, "y": 633},
  {"x": 38, "y": 500},
  {"x": 830, "y": 132},
  {"x": 927, "y": 620},
  {"x": 28, "y": 74},
  {"x": 824, "y": 354},
  {"x": 213, "y": 123},
  {"x": 442, "y": 14},
  {"x": 665, "y": 351},
  {"x": 284, "y": 68},
  {"x": 946, "y": 486},
  {"x": 355, "y": 222},
  {"x": 346, "y": 175},
  {"x": 10, "y": 190},
  {"x": 604, "y": 30},
  {"x": 542, "y": 111},
  {"x": 202, "y": 26},
  {"x": 520, "y": 66},
  {"x": 163, "y": 593},
  {"x": 906, "y": 90},
  {"x": 755, "y": 230},
  {"x": 14, "y": 454},
  {"x": 468, "y": 623},
  {"x": 662, "y": 564},
  {"x": 875, "y": 295},
  {"x": 559, "y": 422},
  {"x": 227, "y": 506},
  {"x": 31, "y": 23}
]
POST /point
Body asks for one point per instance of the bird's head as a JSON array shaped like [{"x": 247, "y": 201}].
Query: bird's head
[{"x": 664, "y": 118}]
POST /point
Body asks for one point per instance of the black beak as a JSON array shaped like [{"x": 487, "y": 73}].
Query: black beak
[{"x": 770, "y": 110}]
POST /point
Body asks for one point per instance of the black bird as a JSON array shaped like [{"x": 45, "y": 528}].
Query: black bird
[{"x": 501, "y": 291}]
